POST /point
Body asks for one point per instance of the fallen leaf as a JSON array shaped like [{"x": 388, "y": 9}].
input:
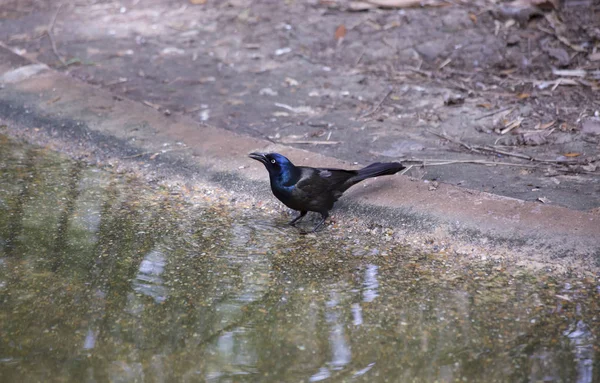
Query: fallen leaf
[
  {"x": 522, "y": 96},
  {"x": 473, "y": 18},
  {"x": 572, "y": 154},
  {"x": 197, "y": 2},
  {"x": 340, "y": 32},
  {"x": 566, "y": 127},
  {"x": 541, "y": 126},
  {"x": 485, "y": 105},
  {"x": 507, "y": 72}
]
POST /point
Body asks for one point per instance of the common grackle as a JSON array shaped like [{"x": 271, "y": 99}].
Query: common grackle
[{"x": 315, "y": 189}]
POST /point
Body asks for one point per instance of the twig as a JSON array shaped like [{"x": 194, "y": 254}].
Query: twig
[
  {"x": 153, "y": 106},
  {"x": 406, "y": 170},
  {"x": 484, "y": 149},
  {"x": 448, "y": 138},
  {"x": 359, "y": 58},
  {"x": 425, "y": 162},
  {"x": 136, "y": 155},
  {"x": 309, "y": 142},
  {"x": 492, "y": 113},
  {"x": 377, "y": 106},
  {"x": 154, "y": 153},
  {"x": 51, "y": 36}
]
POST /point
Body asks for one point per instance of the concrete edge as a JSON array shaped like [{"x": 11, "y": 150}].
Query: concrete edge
[{"x": 75, "y": 114}]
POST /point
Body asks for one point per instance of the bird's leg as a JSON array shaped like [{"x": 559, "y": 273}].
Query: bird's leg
[
  {"x": 321, "y": 222},
  {"x": 298, "y": 218}
]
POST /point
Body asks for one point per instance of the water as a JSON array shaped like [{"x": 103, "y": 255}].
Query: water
[{"x": 105, "y": 278}]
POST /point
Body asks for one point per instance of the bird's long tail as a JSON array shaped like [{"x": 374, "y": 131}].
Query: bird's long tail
[{"x": 377, "y": 169}]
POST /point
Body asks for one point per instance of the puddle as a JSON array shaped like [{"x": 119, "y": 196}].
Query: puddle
[{"x": 105, "y": 278}]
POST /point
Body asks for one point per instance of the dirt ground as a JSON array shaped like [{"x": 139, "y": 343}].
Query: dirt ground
[{"x": 493, "y": 97}]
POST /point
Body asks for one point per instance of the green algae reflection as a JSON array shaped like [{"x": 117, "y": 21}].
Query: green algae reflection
[{"x": 104, "y": 278}]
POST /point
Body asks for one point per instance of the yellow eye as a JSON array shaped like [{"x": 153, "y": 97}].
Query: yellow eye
[{"x": 273, "y": 161}]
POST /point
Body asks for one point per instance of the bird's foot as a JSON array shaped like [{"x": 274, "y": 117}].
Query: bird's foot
[{"x": 297, "y": 219}]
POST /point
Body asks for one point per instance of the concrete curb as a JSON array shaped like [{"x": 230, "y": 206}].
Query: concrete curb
[{"x": 35, "y": 96}]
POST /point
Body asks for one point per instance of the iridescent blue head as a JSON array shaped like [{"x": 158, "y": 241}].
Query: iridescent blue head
[
  {"x": 280, "y": 168},
  {"x": 274, "y": 162}
]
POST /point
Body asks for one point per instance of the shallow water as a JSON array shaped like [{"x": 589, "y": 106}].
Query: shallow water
[{"x": 105, "y": 278}]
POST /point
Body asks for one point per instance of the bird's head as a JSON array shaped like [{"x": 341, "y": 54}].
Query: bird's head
[{"x": 274, "y": 162}]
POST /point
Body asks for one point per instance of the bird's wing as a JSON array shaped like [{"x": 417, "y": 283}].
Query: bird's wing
[
  {"x": 336, "y": 176},
  {"x": 319, "y": 183}
]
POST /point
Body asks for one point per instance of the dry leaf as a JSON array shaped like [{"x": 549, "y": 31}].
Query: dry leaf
[
  {"x": 522, "y": 96},
  {"x": 473, "y": 18},
  {"x": 507, "y": 72},
  {"x": 566, "y": 127},
  {"x": 485, "y": 105},
  {"x": 197, "y": 2},
  {"x": 340, "y": 32},
  {"x": 541, "y": 126},
  {"x": 572, "y": 154}
]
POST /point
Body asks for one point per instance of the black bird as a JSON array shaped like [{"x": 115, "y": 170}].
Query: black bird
[{"x": 315, "y": 189}]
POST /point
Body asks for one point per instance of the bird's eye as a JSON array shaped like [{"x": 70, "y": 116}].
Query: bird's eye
[{"x": 273, "y": 161}]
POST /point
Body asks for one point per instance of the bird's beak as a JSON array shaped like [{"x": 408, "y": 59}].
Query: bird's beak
[{"x": 261, "y": 157}]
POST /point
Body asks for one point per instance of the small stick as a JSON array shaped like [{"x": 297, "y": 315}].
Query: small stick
[
  {"x": 378, "y": 105},
  {"x": 407, "y": 169},
  {"x": 309, "y": 142},
  {"x": 482, "y": 149},
  {"x": 359, "y": 58},
  {"x": 51, "y": 37},
  {"x": 481, "y": 162},
  {"x": 492, "y": 113},
  {"x": 154, "y": 153}
]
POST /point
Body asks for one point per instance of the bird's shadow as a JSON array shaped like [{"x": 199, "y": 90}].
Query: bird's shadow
[
  {"x": 373, "y": 187},
  {"x": 280, "y": 224}
]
